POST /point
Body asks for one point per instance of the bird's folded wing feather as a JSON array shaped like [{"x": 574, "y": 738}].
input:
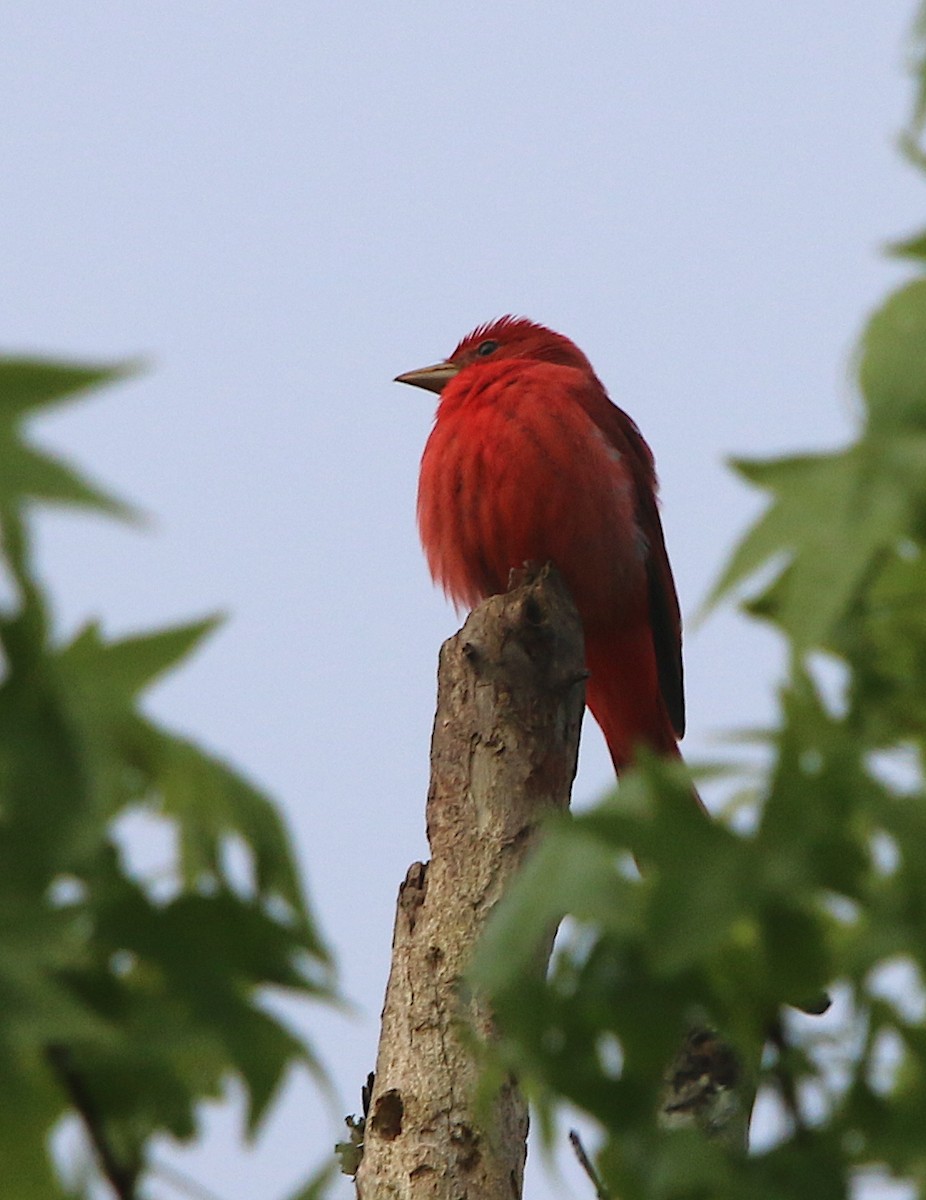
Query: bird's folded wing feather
[{"x": 665, "y": 615}]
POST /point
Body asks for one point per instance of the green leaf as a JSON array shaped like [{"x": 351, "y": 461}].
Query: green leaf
[
  {"x": 831, "y": 520},
  {"x": 892, "y": 370},
  {"x": 32, "y": 383},
  {"x": 52, "y": 815},
  {"x": 206, "y": 961},
  {"x": 38, "y": 1007},
  {"x": 125, "y": 667},
  {"x": 30, "y": 474},
  {"x": 68, "y": 754},
  {"x": 910, "y": 139},
  {"x": 884, "y": 640},
  {"x": 28, "y": 386},
  {"x": 212, "y": 803},
  {"x": 570, "y": 872},
  {"x": 910, "y": 247},
  {"x": 31, "y": 1106}
]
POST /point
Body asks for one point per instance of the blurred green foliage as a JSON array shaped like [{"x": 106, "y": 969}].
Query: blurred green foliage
[
  {"x": 822, "y": 888},
  {"x": 126, "y": 1001}
]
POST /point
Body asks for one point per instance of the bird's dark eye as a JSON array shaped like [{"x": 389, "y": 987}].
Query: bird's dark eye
[{"x": 487, "y": 347}]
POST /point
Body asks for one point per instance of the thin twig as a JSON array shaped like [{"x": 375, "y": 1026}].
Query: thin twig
[
  {"x": 121, "y": 1176},
  {"x": 601, "y": 1192}
]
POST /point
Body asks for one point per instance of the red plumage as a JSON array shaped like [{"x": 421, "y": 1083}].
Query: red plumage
[{"x": 529, "y": 461}]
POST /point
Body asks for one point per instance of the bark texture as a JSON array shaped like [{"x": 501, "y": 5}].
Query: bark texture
[{"x": 503, "y": 756}]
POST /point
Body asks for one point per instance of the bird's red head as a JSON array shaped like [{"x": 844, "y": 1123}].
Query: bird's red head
[
  {"x": 503, "y": 339},
  {"x": 517, "y": 337}
]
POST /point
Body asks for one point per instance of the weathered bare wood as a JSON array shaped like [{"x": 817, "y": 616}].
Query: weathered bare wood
[{"x": 503, "y": 756}]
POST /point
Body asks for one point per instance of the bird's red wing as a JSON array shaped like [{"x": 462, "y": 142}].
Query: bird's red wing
[
  {"x": 665, "y": 618},
  {"x": 664, "y": 612}
]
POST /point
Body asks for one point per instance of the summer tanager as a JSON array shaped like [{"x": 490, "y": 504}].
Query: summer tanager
[{"x": 529, "y": 461}]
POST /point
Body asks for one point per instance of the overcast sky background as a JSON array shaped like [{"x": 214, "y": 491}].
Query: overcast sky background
[{"x": 282, "y": 205}]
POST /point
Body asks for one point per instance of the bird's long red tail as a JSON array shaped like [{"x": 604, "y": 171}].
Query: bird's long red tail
[{"x": 623, "y": 694}]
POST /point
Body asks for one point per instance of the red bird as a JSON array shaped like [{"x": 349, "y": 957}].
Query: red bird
[{"x": 529, "y": 461}]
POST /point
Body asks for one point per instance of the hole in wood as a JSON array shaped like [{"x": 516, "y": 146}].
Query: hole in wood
[{"x": 387, "y": 1116}]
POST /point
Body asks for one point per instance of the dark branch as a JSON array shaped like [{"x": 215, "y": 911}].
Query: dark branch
[
  {"x": 122, "y": 1177},
  {"x": 601, "y": 1192}
]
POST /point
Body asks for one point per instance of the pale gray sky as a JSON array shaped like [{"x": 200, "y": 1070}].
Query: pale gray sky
[{"x": 284, "y": 204}]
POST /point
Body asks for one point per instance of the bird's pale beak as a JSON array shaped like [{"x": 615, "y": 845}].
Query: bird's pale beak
[{"x": 433, "y": 379}]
